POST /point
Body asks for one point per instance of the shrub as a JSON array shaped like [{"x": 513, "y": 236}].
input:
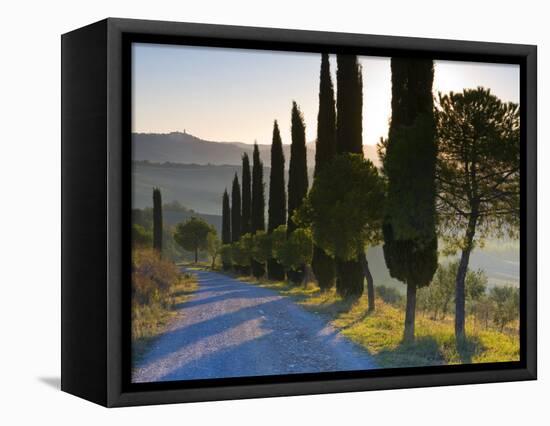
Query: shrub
[
  {"x": 226, "y": 256},
  {"x": 389, "y": 295},
  {"x": 152, "y": 281},
  {"x": 152, "y": 277},
  {"x": 141, "y": 237},
  {"x": 506, "y": 302}
]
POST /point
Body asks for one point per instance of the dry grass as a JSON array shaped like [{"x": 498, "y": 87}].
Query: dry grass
[
  {"x": 157, "y": 287},
  {"x": 381, "y": 332}
]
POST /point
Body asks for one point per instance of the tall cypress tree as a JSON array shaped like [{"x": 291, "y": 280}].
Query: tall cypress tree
[
  {"x": 157, "y": 221},
  {"x": 410, "y": 240},
  {"x": 246, "y": 196},
  {"x": 349, "y": 139},
  {"x": 297, "y": 175},
  {"x": 235, "y": 210},
  {"x": 226, "y": 219},
  {"x": 349, "y": 104},
  {"x": 325, "y": 149},
  {"x": 258, "y": 204},
  {"x": 226, "y": 223},
  {"x": 277, "y": 198}
]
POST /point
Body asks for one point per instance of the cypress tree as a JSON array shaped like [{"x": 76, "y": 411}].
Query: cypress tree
[
  {"x": 410, "y": 240},
  {"x": 246, "y": 196},
  {"x": 325, "y": 149},
  {"x": 258, "y": 204},
  {"x": 235, "y": 210},
  {"x": 157, "y": 221},
  {"x": 226, "y": 222},
  {"x": 349, "y": 139},
  {"x": 226, "y": 219},
  {"x": 349, "y": 104},
  {"x": 277, "y": 198},
  {"x": 297, "y": 175}
]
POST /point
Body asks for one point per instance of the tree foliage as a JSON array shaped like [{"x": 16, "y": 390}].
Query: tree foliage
[
  {"x": 278, "y": 241},
  {"x": 324, "y": 268},
  {"x": 258, "y": 204},
  {"x": 277, "y": 198},
  {"x": 297, "y": 172},
  {"x": 477, "y": 175},
  {"x": 241, "y": 251},
  {"x": 213, "y": 247},
  {"x": 226, "y": 255},
  {"x": 349, "y": 139},
  {"x": 349, "y": 104},
  {"x": 226, "y": 219},
  {"x": 141, "y": 237},
  {"x": 438, "y": 297},
  {"x": 297, "y": 250},
  {"x": 410, "y": 240},
  {"x": 157, "y": 220},
  {"x": 325, "y": 145},
  {"x": 344, "y": 212},
  {"x": 478, "y": 166},
  {"x": 506, "y": 301},
  {"x": 246, "y": 224},
  {"x": 192, "y": 235},
  {"x": 297, "y": 178},
  {"x": 235, "y": 210},
  {"x": 262, "y": 250},
  {"x": 258, "y": 198},
  {"x": 322, "y": 264}
]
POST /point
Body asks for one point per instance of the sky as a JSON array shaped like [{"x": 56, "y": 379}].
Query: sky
[{"x": 233, "y": 95}]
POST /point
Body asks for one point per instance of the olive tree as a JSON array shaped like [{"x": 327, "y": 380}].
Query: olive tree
[{"x": 192, "y": 235}]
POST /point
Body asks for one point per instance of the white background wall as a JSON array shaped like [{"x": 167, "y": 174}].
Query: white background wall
[{"x": 30, "y": 200}]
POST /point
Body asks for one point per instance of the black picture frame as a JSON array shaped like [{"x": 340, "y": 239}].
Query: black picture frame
[{"x": 96, "y": 179}]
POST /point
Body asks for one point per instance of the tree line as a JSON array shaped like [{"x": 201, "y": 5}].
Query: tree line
[{"x": 450, "y": 174}]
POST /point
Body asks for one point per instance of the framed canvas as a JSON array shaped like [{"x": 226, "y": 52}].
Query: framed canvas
[{"x": 255, "y": 212}]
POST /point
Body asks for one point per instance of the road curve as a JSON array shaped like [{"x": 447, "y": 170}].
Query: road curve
[{"x": 234, "y": 329}]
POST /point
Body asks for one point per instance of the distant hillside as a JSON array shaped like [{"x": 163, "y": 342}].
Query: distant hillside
[
  {"x": 198, "y": 187},
  {"x": 172, "y": 214},
  {"x": 180, "y": 147}
]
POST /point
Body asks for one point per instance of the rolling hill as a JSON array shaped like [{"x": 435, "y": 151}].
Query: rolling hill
[{"x": 178, "y": 147}]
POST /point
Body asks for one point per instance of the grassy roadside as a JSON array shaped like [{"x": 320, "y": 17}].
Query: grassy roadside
[
  {"x": 381, "y": 332},
  {"x": 149, "y": 321}
]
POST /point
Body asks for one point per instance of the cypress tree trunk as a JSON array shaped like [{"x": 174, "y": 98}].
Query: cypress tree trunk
[
  {"x": 370, "y": 281},
  {"x": 460, "y": 290},
  {"x": 410, "y": 311},
  {"x": 258, "y": 205},
  {"x": 277, "y": 198},
  {"x": 349, "y": 139},
  {"x": 297, "y": 177},
  {"x": 157, "y": 221},
  {"x": 322, "y": 264}
]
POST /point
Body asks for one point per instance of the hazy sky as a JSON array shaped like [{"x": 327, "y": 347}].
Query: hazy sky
[{"x": 222, "y": 94}]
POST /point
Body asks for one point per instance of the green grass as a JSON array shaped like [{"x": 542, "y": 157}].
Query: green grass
[{"x": 381, "y": 332}]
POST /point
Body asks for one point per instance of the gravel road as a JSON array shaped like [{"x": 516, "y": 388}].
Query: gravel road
[{"x": 234, "y": 329}]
